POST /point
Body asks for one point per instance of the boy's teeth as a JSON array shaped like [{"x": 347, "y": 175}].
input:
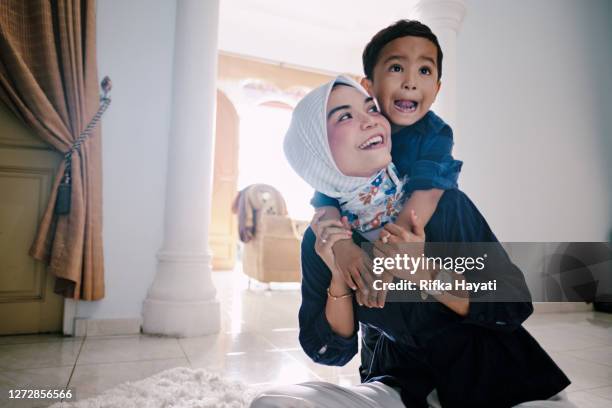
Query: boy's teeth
[{"x": 406, "y": 105}]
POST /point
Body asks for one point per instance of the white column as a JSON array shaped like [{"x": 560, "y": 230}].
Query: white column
[
  {"x": 182, "y": 299},
  {"x": 444, "y": 17}
]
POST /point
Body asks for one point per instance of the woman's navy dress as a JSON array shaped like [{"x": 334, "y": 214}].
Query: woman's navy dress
[{"x": 486, "y": 359}]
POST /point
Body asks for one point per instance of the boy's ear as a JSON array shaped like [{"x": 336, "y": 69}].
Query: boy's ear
[
  {"x": 439, "y": 86},
  {"x": 367, "y": 84}
]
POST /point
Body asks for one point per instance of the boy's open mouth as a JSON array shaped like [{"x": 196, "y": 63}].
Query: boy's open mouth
[
  {"x": 372, "y": 142},
  {"x": 405, "y": 105}
]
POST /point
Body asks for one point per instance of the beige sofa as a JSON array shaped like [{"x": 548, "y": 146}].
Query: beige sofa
[{"x": 271, "y": 238}]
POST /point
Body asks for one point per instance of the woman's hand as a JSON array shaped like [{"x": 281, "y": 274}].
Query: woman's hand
[
  {"x": 338, "y": 311},
  {"x": 328, "y": 232}
]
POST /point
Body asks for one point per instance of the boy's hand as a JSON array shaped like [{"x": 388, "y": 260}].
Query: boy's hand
[
  {"x": 374, "y": 298},
  {"x": 381, "y": 295},
  {"x": 355, "y": 266},
  {"x": 389, "y": 245},
  {"x": 408, "y": 223},
  {"x": 396, "y": 234},
  {"x": 356, "y": 269},
  {"x": 424, "y": 203}
]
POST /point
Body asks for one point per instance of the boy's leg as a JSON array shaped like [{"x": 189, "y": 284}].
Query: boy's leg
[{"x": 320, "y": 394}]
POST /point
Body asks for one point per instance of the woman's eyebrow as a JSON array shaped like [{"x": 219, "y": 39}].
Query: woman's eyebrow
[
  {"x": 336, "y": 109},
  {"x": 341, "y": 107}
]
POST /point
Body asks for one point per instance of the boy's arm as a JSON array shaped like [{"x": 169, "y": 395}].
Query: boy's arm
[
  {"x": 424, "y": 203},
  {"x": 435, "y": 166},
  {"x": 319, "y": 200},
  {"x": 434, "y": 171}
]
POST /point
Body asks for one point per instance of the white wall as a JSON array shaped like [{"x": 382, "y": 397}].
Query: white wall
[
  {"x": 534, "y": 123},
  {"x": 534, "y": 128},
  {"x": 135, "y": 48}
]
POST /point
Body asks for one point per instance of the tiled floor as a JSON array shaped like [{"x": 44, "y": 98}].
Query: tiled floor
[{"x": 258, "y": 344}]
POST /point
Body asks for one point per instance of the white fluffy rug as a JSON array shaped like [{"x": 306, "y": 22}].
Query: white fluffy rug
[{"x": 179, "y": 387}]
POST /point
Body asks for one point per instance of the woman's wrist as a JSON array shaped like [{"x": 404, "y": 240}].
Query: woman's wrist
[{"x": 338, "y": 286}]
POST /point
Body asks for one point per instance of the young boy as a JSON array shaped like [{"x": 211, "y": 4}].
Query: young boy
[{"x": 403, "y": 66}]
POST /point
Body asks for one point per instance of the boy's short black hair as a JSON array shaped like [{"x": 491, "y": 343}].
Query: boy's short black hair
[{"x": 401, "y": 28}]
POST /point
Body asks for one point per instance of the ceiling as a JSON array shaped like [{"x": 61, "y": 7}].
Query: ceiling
[{"x": 319, "y": 35}]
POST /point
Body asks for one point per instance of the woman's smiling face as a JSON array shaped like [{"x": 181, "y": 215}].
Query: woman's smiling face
[{"x": 358, "y": 134}]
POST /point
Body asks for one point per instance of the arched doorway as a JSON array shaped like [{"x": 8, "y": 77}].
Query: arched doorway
[
  {"x": 254, "y": 105},
  {"x": 223, "y": 227}
]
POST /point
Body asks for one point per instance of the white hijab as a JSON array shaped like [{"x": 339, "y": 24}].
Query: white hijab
[
  {"x": 368, "y": 202},
  {"x": 307, "y": 147}
]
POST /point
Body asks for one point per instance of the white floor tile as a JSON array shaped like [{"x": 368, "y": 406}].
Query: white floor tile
[
  {"x": 128, "y": 348},
  {"x": 36, "y": 338},
  {"x": 599, "y": 355},
  {"x": 37, "y": 355},
  {"x": 604, "y": 392},
  {"x": 583, "y": 374},
  {"x": 585, "y": 399}
]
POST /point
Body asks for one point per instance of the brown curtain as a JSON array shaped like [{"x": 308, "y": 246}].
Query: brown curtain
[{"x": 49, "y": 79}]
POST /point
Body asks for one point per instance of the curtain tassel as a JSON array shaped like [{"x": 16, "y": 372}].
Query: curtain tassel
[{"x": 64, "y": 191}]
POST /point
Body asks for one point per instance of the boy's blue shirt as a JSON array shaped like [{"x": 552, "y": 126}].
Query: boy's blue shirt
[{"x": 423, "y": 152}]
